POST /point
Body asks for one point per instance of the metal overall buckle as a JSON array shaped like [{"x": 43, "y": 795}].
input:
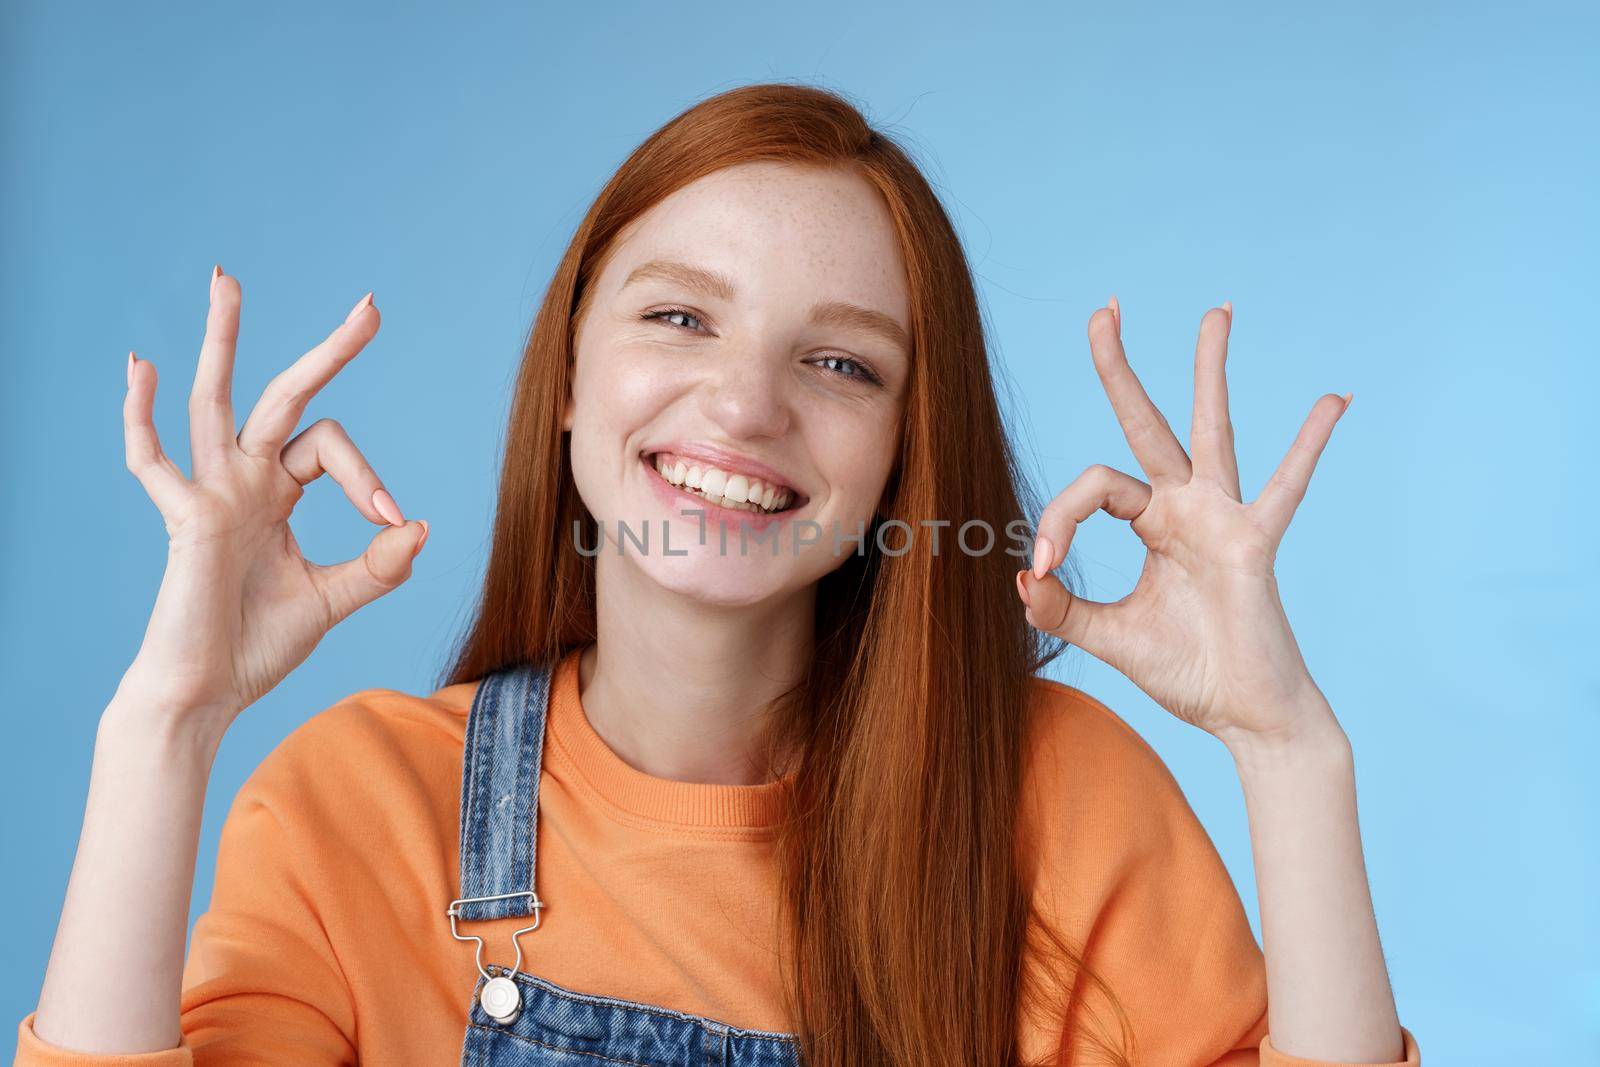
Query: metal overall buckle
[{"x": 500, "y": 997}]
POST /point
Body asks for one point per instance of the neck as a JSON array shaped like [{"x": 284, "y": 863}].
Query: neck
[{"x": 678, "y": 688}]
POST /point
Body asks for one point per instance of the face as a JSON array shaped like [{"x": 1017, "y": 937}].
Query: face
[{"x": 741, "y": 374}]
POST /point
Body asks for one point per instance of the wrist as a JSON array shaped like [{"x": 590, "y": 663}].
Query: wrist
[
  {"x": 1312, "y": 737},
  {"x": 138, "y": 718}
]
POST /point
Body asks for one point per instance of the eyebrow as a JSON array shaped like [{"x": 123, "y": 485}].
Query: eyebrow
[{"x": 838, "y": 313}]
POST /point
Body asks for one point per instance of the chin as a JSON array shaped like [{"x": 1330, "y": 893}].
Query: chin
[{"x": 712, "y": 579}]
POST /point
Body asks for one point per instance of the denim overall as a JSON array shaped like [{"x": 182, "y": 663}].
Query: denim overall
[{"x": 536, "y": 1023}]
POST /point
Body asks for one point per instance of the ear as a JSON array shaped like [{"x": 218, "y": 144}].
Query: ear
[{"x": 567, "y": 411}]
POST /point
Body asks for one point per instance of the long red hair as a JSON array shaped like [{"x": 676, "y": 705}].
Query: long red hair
[{"x": 902, "y": 880}]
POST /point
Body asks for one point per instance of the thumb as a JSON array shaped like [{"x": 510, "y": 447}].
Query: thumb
[
  {"x": 385, "y": 564},
  {"x": 1053, "y": 609}
]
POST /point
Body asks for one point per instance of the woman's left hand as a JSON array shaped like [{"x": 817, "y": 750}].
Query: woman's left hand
[{"x": 1203, "y": 632}]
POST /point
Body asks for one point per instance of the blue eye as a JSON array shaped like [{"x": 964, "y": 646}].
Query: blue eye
[
  {"x": 665, "y": 312},
  {"x": 843, "y": 366},
  {"x": 857, "y": 368}
]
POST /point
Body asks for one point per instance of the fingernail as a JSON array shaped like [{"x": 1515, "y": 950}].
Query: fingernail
[
  {"x": 1116, "y": 313},
  {"x": 216, "y": 272},
  {"x": 361, "y": 305},
  {"x": 130, "y": 370},
  {"x": 1043, "y": 553},
  {"x": 1022, "y": 590},
  {"x": 387, "y": 507},
  {"x": 1227, "y": 305},
  {"x": 1347, "y": 398},
  {"x": 418, "y": 549}
]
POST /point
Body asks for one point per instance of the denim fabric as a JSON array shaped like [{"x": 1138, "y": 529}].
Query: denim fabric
[
  {"x": 557, "y": 1027},
  {"x": 500, "y": 791}
]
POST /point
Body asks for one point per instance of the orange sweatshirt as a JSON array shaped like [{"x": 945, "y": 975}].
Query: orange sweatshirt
[{"x": 327, "y": 936}]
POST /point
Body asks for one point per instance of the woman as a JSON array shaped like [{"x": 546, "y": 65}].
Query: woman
[{"x": 778, "y": 783}]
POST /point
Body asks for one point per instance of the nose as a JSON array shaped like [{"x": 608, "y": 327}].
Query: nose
[{"x": 747, "y": 398}]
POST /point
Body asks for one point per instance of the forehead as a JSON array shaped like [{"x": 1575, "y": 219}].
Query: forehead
[{"x": 776, "y": 230}]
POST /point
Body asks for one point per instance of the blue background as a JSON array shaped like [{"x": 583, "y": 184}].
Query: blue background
[{"x": 1399, "y": 200}]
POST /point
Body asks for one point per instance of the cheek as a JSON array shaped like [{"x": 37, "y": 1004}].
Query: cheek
[
  {"x": 858, "y": 454},
  {"x": 616, "y": 395},
  {"x": 617, "y": 398}
]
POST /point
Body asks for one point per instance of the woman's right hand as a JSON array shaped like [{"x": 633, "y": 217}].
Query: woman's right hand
[{"x": 240, "y": 606}]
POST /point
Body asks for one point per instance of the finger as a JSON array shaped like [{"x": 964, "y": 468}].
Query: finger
[
  {"x": 1211, "y": 430},
  {"x": 1287, "y": 487},
  {"x": 1159, "y": 454},
  {"x": 211, "y": 397},
  {"x": 1098, "y": 488},
  {"x": 162, "y": 481},
  {"x": 325, "y": 447},
  {"x": 385, "y": 564},
  {"x": 284, "y": 400},
  {"x": 1051, "y": 607}
]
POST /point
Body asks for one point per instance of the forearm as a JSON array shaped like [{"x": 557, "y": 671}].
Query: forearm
[
  {"x": 1327, "y": 985},
  {"x": 115, "y": 971}
]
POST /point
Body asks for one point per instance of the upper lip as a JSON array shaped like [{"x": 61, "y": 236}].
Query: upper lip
[{"x": 727, "y": 460}]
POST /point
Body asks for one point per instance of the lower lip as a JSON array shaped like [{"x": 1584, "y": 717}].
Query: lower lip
[{"x": 676, "y": 497}]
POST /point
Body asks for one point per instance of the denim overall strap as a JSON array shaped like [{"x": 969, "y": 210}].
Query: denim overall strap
[{"x": 500, "y": 794}]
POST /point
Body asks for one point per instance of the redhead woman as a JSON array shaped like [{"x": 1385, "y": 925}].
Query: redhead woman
[{"x": 744, "y": 759}]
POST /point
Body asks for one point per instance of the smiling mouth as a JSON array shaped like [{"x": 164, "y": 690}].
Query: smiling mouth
[{"x": 724, "y": 488}]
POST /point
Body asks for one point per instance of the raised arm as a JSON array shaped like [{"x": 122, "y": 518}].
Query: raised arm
[
  {"x": 239, "y": 607},
  {"x": 1325, "y": 968},
  {"x": 1204, "y": 634}
]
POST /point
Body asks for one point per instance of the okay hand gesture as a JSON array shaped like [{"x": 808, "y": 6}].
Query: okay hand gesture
[
  {"x": 239, "y": 606},
  {"x": 1203, "y": 632}
]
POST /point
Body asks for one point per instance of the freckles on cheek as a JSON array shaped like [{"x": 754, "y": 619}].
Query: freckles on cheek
[
  {"x": 860, "y": 460},
  {"x": 644, "y": 369},
  {"x": 641, "y": 388},
  {"x": 621, "y": 392}
]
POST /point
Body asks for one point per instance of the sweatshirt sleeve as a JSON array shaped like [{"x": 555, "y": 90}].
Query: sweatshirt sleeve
[
  {"x": 1271, "y": 1057},
  {"x": 1122, "y": 866},
  {"x": 261, "y": 982}
]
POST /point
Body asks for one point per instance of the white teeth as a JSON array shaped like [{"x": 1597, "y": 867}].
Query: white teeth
[{"x": 737, "y": 491}]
